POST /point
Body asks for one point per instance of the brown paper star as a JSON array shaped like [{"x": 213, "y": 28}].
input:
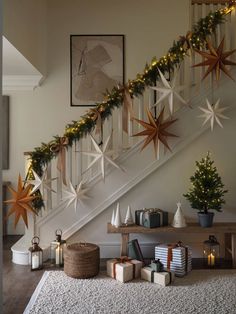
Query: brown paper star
[
  {"x": 156, "y": 131},
  {"x": 216, "y": 60},
  {"x": 21, "y": 202}
]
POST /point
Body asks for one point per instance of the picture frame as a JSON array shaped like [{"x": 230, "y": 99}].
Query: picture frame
[{"x": 96, "y": 65}]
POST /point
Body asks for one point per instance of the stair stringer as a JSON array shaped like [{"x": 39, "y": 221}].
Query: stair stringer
[{"x": 138, "y": 165}]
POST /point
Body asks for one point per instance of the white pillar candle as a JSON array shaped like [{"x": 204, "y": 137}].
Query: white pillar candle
[
  {"x": 35, "y": 262},
  {"x": 58, "y": 255}
]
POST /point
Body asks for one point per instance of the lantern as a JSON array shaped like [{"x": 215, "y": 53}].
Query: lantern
[
  {"x": 57, "y": 249},
  {"x": 211, "y": 251},
  {"x": 36, "y": 258}
]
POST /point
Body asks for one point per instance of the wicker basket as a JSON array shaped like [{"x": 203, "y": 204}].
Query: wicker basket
[{"x": 81, "y": 260}]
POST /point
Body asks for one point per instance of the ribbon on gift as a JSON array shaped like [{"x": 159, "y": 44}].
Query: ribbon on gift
[
  {"x": 127, "y": 112},
  {"x": 123, "y": 260},
  {"x": 60, "y": 149},
  {"x": 96, "y": 116}
]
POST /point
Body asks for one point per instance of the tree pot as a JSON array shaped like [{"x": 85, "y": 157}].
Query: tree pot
[{"x": 205, "y": 220}]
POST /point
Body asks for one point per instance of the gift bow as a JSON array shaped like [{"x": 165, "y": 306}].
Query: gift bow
[
  {"x": 60, "y": 149},
  {"x": 122, "y": 259},
  {"x": 96, "y": 116}
]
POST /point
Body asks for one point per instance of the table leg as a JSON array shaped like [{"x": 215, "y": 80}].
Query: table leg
[
  {"x": 233, "y": 247},
  {"x": 124, "y": 244}
]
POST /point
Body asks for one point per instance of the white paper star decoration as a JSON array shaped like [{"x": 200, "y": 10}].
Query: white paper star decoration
[
  {"x": 41, "y": 183},
  {"x": 103, "y": 155},
  {"x": 169, "y": 91},
  {"x": 75, "y": 196},
  {"x": 213, "y": 113}
]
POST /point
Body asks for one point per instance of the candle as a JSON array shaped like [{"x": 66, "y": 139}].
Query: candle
[
  {"x": 211, "y": 260},
  {"x": 58, "y": 255},
  {"x": 35, "y": 262}
]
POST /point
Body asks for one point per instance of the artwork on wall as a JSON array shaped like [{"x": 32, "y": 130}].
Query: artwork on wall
[
  {"x": 96, "y": 65},
  {"x": 5, "y": 133}
]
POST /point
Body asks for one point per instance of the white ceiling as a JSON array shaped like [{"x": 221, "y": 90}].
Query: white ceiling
[{"x": 14, "y": 63}]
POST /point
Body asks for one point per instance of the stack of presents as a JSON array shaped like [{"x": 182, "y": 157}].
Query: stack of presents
[{"x": 170, "y": 259}]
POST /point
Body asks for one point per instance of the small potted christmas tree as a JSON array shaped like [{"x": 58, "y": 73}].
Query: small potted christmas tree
[{"x": 207, "y": 191}]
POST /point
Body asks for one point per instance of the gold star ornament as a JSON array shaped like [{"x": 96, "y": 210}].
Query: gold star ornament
[
  {"x": 156, "y": 130},
  {"x": 216, "y": 60},
  {"x": 21, "y": 202}
]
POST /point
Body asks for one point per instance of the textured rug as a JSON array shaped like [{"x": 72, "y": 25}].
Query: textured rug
[{"x": 202, "y": 291}]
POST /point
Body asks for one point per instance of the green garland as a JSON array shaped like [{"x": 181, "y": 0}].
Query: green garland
[{"x": 74, "y": 131}]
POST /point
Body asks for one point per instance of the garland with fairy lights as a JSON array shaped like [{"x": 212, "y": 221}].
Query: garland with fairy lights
[{"x": 196, "y": 39}]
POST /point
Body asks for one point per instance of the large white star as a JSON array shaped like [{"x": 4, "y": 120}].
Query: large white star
[
  {"x": 169, "y": 91},
  {"x": 213, "y": 113},
  {"x": 74, "y": 195},
  {"x": 102, "y": 155},
  {"x": 41, "y": 183}
]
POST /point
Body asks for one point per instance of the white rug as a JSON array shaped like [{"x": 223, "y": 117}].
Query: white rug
[{"x": 202, "y": 291}]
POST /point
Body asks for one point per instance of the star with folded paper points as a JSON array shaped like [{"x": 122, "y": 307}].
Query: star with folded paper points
[
  {"x": 213, "y": 113},
  {"x": 41, "y": 183},
  {"x": 102, "y": 155},
  {"x": 216, "y": 60},
  {"x": 169, "y": 91},
  {"x": 75, "y": 195},
  {"x": 156, "y": 131},
  {"x": 21, "y": 202}
]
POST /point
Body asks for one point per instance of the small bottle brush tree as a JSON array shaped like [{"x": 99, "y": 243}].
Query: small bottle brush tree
[{"x": 207, "y": 188}]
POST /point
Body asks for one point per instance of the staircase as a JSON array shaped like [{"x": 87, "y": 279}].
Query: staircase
[{"x": 126, "y": 152}]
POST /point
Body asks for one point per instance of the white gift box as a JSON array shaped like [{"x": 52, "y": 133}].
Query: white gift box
[
  {"x": 124, "y": 271},
  {"x": 163, "y": 278}
]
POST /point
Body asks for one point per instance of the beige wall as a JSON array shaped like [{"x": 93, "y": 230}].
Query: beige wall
[
  {"x": 35, "y": 116},
  {"x": 24, "y": 25}
]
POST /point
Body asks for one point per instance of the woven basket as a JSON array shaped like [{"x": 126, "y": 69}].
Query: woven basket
[{"x": 81, "y": 260}]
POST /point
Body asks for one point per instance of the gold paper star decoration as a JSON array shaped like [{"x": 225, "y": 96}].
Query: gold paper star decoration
[
  {"x": 156, "y": 131},
  {"x": 21, "y": 202},
  {"x": 216, "y": 60}
]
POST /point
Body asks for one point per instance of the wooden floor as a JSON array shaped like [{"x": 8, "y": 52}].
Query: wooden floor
[{"x": 19, "y": 282}]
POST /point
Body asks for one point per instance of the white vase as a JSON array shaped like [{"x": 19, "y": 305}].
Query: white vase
[
  {"x": 117, "y": 222},
  {"x": 113, "y": 217},
  {"x": 179, "y": 220},
  {"x": 129, "y": 218}
]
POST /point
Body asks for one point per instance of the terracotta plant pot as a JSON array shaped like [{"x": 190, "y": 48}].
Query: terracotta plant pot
[{"x": 205, "y": 220}]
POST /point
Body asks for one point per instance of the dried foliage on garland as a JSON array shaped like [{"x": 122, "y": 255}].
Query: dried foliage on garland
[{"x": 114, "y": 99}]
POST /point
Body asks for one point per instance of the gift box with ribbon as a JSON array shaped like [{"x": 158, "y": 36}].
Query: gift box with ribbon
[
  {"x": 175, "y": 257},
  {"x": 124, "y": 268},
  {"x": 163, "y": 278},
  {"x": 151, "y": 218},
  {"x": 157, "y": 265}
]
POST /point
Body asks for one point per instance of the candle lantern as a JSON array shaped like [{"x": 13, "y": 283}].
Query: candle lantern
[
  {"x": 211, "y": 251},
  {"x": 36, "y": 258},
  {"x": 57, "y": 249}
]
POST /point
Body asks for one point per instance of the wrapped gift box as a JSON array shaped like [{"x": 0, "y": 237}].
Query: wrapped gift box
[
  {"x": 163, "y": 278},
  {"x": 151, "y": 218},
  {"x": 124, "y": 269},
  {"x": 175, "y": 258}
]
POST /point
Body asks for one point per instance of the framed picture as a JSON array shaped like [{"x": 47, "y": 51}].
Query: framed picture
[
  {"x": 5, "y": 132},
  {"x": 96, "y": 65}
]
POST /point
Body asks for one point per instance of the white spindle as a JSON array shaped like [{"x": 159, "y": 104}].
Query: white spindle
[
  {"x": 78, "y": 161},
  {"x": 141, "y": 107},
  {"x": 150, "y": 98},
  {"x": 120, "y": 130},
  {"x": 69, "y": 160},
  {"x": 49, "y": 193},
  {"x": 59, "y": 186}
]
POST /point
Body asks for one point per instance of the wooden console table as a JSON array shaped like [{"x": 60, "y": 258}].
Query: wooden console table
[{"x": 228, "y": 229}]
